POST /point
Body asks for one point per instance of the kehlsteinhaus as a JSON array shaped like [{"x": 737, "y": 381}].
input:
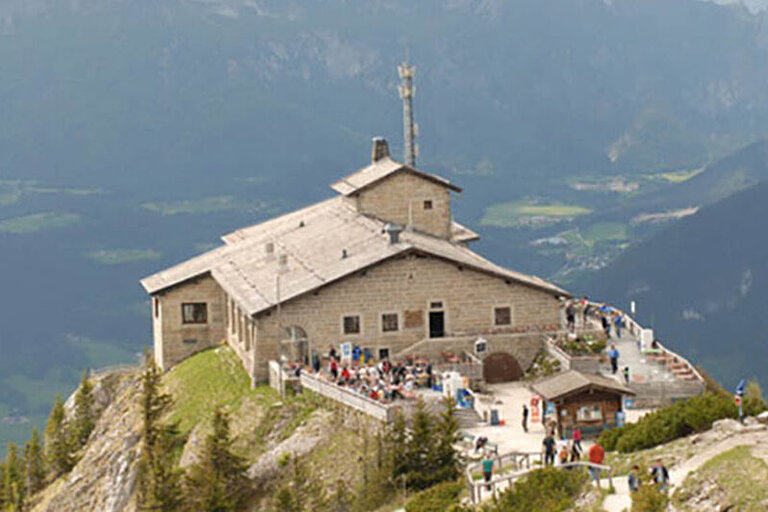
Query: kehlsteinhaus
[{"x": 381, "y": 265}]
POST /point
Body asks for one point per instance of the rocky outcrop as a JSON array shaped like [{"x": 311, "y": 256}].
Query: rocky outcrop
[{"x": 104, "y": 478}]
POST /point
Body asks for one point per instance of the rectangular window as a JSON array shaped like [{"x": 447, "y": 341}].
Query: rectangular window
[
  {"x": 389, "y": 322},
  {"x": 589, "y": 413},
  {"x": 428, "y": 204},
  {"x": 436, "y": 305},
  {"x": 502, "y": 316},
  {"x": 194, "y": 313},
  {"x": 352, "y": 324}
]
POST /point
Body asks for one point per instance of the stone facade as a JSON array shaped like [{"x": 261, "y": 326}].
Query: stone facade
[
  {"x": 176, "y": 340},
  {"x": 409, "y": 200},
  {"x": 411, "y": 287}
]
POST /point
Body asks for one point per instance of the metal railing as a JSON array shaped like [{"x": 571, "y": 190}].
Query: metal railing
[{"x": 522, "y": 463}]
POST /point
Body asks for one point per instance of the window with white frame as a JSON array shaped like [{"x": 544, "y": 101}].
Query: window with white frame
[
  {"x": 589, "y": 413},
  {"x": 194, "y": 313}
]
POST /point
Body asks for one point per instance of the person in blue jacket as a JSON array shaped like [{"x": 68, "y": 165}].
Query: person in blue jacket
[{"x": 613, "y": 354}]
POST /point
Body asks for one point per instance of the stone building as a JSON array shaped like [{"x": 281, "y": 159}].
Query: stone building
[{"x": 381, "y": 265}]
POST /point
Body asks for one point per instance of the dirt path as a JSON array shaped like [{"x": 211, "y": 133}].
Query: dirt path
[{"x": 621, "y": 500}]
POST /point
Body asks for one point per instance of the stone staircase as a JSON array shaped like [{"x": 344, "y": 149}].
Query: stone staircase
[{"x": 467, "y": 417}]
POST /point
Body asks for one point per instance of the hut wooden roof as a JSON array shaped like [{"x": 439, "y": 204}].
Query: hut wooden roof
[{"x": 572, "y": 382}]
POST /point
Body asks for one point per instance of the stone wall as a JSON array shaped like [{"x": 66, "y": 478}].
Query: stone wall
[
  {"x": 174, "y": 340},
  {"x": 400, "y": 198},
  {"x": 408, "y": 286}
]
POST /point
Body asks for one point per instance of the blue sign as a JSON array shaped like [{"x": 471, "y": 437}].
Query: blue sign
[
  {"x": 740, "y": 388},
  {"x": 620, "y": 418},
  {"x": 550, "y": 408},
  {"x": 629, "y": 403}
]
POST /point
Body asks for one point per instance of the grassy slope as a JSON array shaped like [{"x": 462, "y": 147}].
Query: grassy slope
[{"x": 739, "y": 480}]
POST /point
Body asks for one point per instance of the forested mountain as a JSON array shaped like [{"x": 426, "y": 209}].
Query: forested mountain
[
  {"x": 132, "y": 134},
  {"x": 702, "y": 285}
]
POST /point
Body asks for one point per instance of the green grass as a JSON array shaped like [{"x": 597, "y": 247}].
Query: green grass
[
  {"x": 202, "y": 206},
  {"x": 510, "y": 214},
  {"x": 742, "y": 480},
  {"x": 120, "y": 256},
  {"x": 605, "y": 231},
  {"x": 211, "y": 379},
  {"x": 38, "y": 222}
]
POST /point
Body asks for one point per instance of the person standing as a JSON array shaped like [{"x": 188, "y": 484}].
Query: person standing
[
  {"x": 570, "y": 316},
  {"x": 613, "y": 354},
  {"x": 577, "y": 439},
  {"x": 525, "y": 418},
  {"x": 584, "y": 306},
  {"x": 596, "y": 456},
  {"x": 487, "y": 464},
  {"x": 549, "y": 449},
  {"x": 575, "y": 452},
  {"x": 618, "y": 322},
  {"x": 660, "y": 475},
  {"x": 625, "y": 371},
  {"x": 606, "y": 324},
  {"x": 633, "y": 479}
]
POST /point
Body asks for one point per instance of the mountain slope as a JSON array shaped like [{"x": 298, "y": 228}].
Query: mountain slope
[{"x": 702, "y": 284}]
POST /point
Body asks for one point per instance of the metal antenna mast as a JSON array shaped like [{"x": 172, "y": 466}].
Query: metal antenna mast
[{"x": 406, "y": 89}]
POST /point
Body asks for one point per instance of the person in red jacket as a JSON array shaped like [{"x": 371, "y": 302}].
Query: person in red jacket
[
  {"x": 596, "y": 456},
  {"x": 577, "y": 439}
]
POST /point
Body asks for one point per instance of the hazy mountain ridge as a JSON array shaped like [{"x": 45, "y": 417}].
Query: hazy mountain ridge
[{"x": 240, "y": 110}]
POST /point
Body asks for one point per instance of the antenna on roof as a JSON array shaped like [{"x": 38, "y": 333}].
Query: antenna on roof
[{"x": 407, "y": 91}]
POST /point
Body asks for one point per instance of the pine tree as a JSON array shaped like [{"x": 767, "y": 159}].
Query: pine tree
[
  {"x": 35, "y": 464},
  {"x": 218, "y": 482},
  {"x": 445, "y": 461},
  {"x": 57, "y": 449},
  {"x": 397, "y": 446},
  {"x": 419, "y": 448},
  {"x": 13, "y": 481},
  {"x": 159, "y": 481},
  {"x": 83, "y": 420},
  {"x": 2, "y": 486},
  {"x": 303, "y": 493}
]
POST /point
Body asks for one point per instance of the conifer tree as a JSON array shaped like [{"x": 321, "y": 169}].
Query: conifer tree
[
  {"x": 57, "y": 449},
  {"x": 159, "y": 481},
  {"x": 419, "y": 448},
  {"x": 83, "y": 420},
  {"x": 445, "y": 461},
  {"x": 218, "y": 483},
  {"x": 13, "y": 481},
  {"x": 303, "y": 493},
  {"x": 35, "y": 464},
  {"x": 2, "y": 486},
  {"x": 397, "y": 446}
]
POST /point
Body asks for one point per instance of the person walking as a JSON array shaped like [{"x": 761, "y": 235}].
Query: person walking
[
  {"x": 525, "y": 418},
  {"x": 487, "y": 464},
  {"x": 549, "y": 449},
  {"x": 613, "y": 354},
  {"x": 575, "y": 452},
  {"x": 633, "y": 479},
  {"x": 618, "y": 322},
  {"x": 596, "y": 456}
]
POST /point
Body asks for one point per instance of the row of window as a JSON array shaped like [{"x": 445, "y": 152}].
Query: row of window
[
  {"x": 390, "y": 322},
  {"x": 197, "y": 313}
]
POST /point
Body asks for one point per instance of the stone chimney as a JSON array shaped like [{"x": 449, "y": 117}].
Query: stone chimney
[{"x": 379, "y": 150}]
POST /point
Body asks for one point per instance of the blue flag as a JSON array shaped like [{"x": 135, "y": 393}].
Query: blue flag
[{"x": 740, "y": 388}]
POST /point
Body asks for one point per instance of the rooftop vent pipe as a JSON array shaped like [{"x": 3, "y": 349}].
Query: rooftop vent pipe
[
  {"x": 393, "y": 230},
  {"x": 379, "y": 150}
]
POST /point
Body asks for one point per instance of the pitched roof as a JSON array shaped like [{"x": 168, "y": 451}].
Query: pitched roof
[
  {"x": 572, "y": 381},
  {"x": 379, "y": 170},
  {"x": 313, "y": 239}
]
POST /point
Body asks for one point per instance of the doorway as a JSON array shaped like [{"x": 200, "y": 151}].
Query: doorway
[{"x": 436, "y": 324}]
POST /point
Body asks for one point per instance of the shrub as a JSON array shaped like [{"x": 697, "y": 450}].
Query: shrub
[
  {"x": 542, "y": 490},
  {"x": 435, "y": 499},
  {"x": 649, "y": 499},
  {"x": 680, "y": 419},
  {"x": 754, "y": 403}
]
